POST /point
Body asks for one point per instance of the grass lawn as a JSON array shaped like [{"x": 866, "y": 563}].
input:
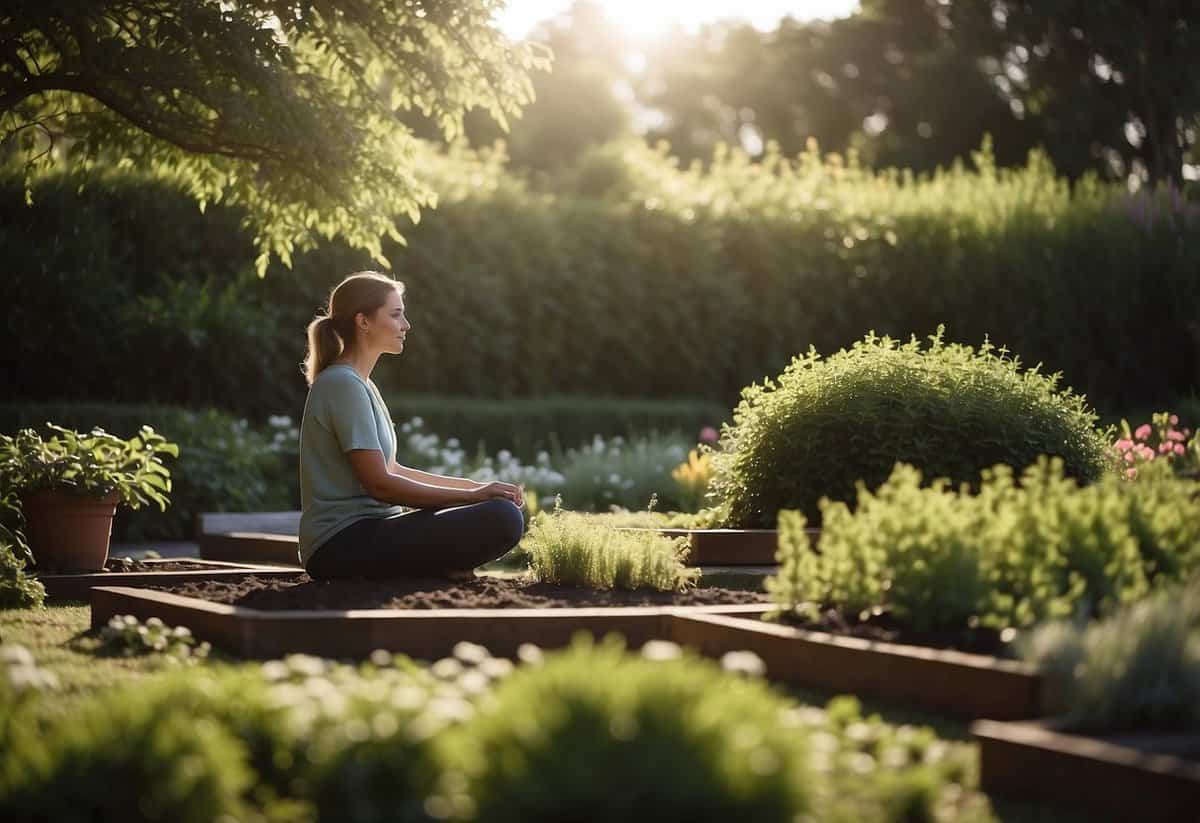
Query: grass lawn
[{"x": 53, "y": 636}]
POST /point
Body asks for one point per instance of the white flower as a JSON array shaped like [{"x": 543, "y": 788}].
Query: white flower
[
  {"x": 661, "y": 650},
  {"x": 744, "y": 662}
]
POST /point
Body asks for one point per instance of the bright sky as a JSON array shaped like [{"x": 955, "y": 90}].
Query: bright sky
[{"x": 648, "y": 17}]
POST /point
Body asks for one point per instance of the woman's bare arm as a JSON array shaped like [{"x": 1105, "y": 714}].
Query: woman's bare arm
[
  {"x": 405, "y": 490},
  {"x": 435, "y": 479}
]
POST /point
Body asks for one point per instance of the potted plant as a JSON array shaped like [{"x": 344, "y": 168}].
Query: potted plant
[{"x": 70, "y": 485}]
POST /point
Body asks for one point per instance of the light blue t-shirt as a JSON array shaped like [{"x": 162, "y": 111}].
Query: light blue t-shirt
[{"x": 342, "y": 412}]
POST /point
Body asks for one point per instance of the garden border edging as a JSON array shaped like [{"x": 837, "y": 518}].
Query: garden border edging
[
  {"x": 952, "y": 682},
  {"x": 1033, "y": 761}
]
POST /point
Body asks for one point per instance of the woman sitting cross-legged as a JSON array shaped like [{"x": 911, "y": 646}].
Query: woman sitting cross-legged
[{"x": 351, "y": 487}]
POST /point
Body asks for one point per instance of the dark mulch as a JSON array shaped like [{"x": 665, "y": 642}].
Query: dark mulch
[
  {"x": 434, "y": 593},
  {"x": 126, "y": 565},
  {"x": 886, "y": 628}
]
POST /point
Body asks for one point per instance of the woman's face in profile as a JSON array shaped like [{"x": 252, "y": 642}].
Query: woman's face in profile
[{"x": 389, "y": 326}]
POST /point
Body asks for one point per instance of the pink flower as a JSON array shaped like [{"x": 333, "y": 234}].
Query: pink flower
[
  {"x": 1178, "y": 437},
  {"x": 1130, "y": 457},
  {"x": 1124, "y": 445},
  {"x": 1131, "y": 473},
  {"x": 1163, "y": 448},
  {"x": 708, "y": 435},
  {"x": 1174, "y": 420},
  {"x": 1179, "y": 449},
  {"x": 1143, "y": 431}
]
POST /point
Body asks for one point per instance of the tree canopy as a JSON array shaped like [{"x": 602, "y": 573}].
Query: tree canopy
[{"x": 289, "y": 111}]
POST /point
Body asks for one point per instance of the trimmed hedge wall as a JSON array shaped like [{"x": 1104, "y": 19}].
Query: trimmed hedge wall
[{"x": 636, "y": 278}]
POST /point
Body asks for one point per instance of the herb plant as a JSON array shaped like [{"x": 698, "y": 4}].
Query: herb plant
[
  {"x": 571, "y": 549},
  {"x": 1019, "y": 551},
  {"x": 94, "y": 464}
]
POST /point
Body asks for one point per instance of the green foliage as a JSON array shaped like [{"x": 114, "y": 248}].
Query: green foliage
[
  {"x": 94, "y": 464},
  {"x": 125, "y": 757},
  {"x": 288, "y": 117},
  {"x": 1012, "y": 555},
  {"x": 224, "y": 464},
  {"x": 1137, "y": 669},
  {"x": 696, "y": 281},
  {"x": 593, "y": 734},
  {"x": 826, "y": 424},
  {"x": 18, "y": 590},
  {"x": 570, "y": 549}
]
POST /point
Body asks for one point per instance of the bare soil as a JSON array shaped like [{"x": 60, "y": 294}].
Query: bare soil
[
  {"x": 126, "y": 565},
  {"x": 437, "y": 593}
]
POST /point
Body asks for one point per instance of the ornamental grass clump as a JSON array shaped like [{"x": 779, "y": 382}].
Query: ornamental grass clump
[
  {"x": 1019, "y": 551},
  {"x": 570, "y": 549},
  {"x": 949, "y": 409},
  {"x": 1138, "y": 669}
]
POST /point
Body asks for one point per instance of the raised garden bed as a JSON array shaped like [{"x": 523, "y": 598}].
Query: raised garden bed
[
  {"x": 138, "y": 573},
  {"x": 1126, "y": 777},
  {"x": 728, "y": 547},
  {"x": 946, "y": 680},
  {"x": 251, "y": 547},
  {"x": 429, "y": 631}
]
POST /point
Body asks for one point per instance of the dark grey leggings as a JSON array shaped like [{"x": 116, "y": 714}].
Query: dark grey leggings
[{"x": 422, "y": 542}]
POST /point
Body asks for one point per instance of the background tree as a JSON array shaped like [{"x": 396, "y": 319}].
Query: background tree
[{"x": 287, "y": 111}]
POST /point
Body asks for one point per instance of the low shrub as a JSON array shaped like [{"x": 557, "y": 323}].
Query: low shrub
[
  {"x": 827, "y": 423},
  {"x": 1138, "y": 669},
  {"x": 1017, "y": 552},
  {"x": 570, "y": 549},
  {"x": 593, "y": 734}
]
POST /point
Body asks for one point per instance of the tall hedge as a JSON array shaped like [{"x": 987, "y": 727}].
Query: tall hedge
[{"x": 632, "y": 277}]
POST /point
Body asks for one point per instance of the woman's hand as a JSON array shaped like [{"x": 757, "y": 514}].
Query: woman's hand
[{"x": 498, "y": 488}]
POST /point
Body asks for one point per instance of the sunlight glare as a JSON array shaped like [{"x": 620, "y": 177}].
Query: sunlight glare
[{"x": 641, "y": 19}]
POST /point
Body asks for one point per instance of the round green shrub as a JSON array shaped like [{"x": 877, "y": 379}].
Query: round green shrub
[
  {"x": 593, "y": 734},
  {"x": 950, "y": 410}
]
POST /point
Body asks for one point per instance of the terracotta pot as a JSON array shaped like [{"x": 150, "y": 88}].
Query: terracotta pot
[{"x": 68, "y": 531}]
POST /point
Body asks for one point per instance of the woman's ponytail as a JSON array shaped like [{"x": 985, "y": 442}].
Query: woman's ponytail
[{"x": 324, "y": 346}]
